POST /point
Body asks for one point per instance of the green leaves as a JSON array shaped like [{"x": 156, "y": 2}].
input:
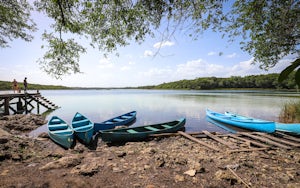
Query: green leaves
[
  {"x": 62, "y": 56},
  {"x": 270, "y": 30},
  {"x": 15, "y": 21},
  {"x": 287, "y": 71}
]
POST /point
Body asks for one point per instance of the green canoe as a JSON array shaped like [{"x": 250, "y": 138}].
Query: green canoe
[{"x": 141, "y": 132}]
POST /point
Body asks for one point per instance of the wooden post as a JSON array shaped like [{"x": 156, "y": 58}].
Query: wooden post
[
  {"x": 38, "y": 108},
  {"x": 19, "y": 105},
  {"x": 6, "y": 106},
  {"x": 25, "y": 99}
]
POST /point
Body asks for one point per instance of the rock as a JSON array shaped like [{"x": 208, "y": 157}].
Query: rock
[
  {"x": 120, "y": 153},
  {"x": 21, "y": 122},
  {"x": 86, "y": 170},
  {"x": 293, "y": 185},
  {"x": 3, "y": 140},
  {"x": 149, "y": 151},
  {"x": 150, "y": 186},
  {"x": 16, "y": 157},
  {"x": 233, "y": 167},
  {"x": 65, "y": 162},
  {"x": 4, "y": 133},
  {"x": 159, "y": 162},
  {"x": 221, "y": 174},
  {"x": 147, "y": 167},
  {"x": 191, "y": 172},
  {"x": 179, "y": 178},
  {"x": 4, "y": 156}
]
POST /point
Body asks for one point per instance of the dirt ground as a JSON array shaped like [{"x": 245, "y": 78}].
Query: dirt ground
[{"x": 157, "y": 163}]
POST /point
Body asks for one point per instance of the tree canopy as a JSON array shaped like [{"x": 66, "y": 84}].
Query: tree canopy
[
  {"x": 269, "y": 81},
  {"x": 270, "y": 29}
]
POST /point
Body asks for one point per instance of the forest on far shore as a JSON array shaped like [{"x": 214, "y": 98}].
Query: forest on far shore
[
  {"x": 264, "y": 81},
  {"x": 5, "y": 85}
]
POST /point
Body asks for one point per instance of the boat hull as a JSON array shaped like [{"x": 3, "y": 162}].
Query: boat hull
[
  {"x": 242, "y": 121},
  {"x": 116, "y": 121},
  {"x": 293, "y": 128},
  {"x": 141, "y": 132},
  {"x": 83, "y": 128},
  {"x": 60, "y": 132}
]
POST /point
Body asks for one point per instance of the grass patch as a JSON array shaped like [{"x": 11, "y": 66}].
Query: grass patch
[{"x": 290, "y": 113}]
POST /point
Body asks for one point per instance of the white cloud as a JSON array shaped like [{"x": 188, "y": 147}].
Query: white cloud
[
  {"x": 105, "y": 63},
  {"x": 245, "y": 68},
  {"x": 231, "y": 55},
  {"x": 148, "y": 53},
  {"x": 212, "y": 53},
  {"x": 198, "y": 68},
  {"x": 163, "y": 44},
  {"x": 125, "y": 68},
  {"x": 131, "y": 63}
]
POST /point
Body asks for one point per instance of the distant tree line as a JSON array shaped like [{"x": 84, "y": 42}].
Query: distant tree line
[
  {"x": 5, "y": 85},
  {"x": 269, "y": 81}
]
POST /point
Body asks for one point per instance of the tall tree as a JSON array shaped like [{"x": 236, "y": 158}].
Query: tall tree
[
  {"x": 15, "y": 21},
  {"x": 270, "y": 29}
]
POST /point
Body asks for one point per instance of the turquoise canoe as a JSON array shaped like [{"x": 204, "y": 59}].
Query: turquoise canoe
[
  {"x": 60, "y": 132},
  {"x": 242, "y": 121},
  {"x": 83, "y": 128},
  {"x": 141, "y": 133},
  {"x": 124, "y": 119},
  {"x": 293, "y": 128}
]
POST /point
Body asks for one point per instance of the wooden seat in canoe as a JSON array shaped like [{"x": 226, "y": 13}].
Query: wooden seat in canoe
[
  {"x": 151, "y": 128},
  {"x": 131, "y": 131},
  {"x": 166, "y": 126}
]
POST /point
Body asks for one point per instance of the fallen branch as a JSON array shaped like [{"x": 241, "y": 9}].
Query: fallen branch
[
  {"x": 238, "y": 177},
  {"x": 245, "y": 150}
]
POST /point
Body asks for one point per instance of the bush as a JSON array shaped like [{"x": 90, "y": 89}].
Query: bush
[{"x": 290, "y": 113}]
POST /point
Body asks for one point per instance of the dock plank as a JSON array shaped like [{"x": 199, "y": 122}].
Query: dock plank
[
  {"x": 259, "y": 144},
  {"x": 197, "y": 140},
  {"x": 283, "y": 135},
  {"x": 265, "y": 140},
  {"x": 216, "y": 138},
  {"x": 280, "y": 140}
]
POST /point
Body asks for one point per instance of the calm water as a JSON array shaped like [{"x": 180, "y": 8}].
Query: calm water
[{"x": 155, "y": 106}]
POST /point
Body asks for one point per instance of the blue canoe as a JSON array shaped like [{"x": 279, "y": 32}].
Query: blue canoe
[
  {"x": 141, "y": 133},
  {"x": 293, "y": 128},
  {"x": 83, "y": 128},
  {"x": 116, "y": 121},
  {"x": 242, "y": 121},
  {"x": 60, "y": 132}
]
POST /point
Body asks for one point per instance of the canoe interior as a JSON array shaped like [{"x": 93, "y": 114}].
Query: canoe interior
[
  {"x": 80, "y": 123},
  {"x": 143, "y": 129}
]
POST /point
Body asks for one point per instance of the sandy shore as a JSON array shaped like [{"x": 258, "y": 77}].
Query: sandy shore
[{"x": 160, "y": 162}]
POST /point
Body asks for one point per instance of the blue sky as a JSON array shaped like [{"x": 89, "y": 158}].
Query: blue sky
[{"x": 153, "y": 62}]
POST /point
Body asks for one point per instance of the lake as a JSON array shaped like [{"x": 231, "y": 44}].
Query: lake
[{"x": 155, "y": 106}]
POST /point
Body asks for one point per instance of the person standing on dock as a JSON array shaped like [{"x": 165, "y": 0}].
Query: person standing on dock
[
  {"x": 25, "y": 85},
  {"x": 15, "y": 86}
]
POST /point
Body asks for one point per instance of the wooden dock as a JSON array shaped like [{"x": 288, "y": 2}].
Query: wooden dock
[
  {"x": 18, "y": 103},
  {"x": 240, "y": 141}
]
